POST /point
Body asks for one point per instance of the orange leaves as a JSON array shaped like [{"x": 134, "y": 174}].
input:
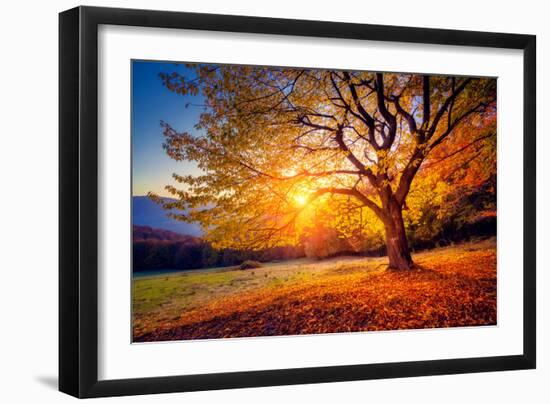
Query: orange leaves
[{"x": 450, "y": 287}]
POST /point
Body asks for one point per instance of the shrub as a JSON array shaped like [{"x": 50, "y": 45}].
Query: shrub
[{"x": 249, "y": 264}]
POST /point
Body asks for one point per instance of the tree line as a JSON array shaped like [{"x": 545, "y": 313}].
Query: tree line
[
  {"x": 155, "y": 249},
  {"x": 468, "y": 218}
]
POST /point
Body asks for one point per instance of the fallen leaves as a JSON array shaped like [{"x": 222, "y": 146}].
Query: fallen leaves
[{"x": 451, "y": 287}]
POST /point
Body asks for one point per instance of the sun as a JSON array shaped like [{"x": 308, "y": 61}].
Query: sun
[{"x": 300, "y": 199}]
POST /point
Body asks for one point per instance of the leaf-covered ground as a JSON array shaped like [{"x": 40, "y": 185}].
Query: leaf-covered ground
[{"x": 451, "y": 287}]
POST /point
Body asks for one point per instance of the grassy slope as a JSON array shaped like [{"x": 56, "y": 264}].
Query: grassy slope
[{"x": 454, "y": 286}]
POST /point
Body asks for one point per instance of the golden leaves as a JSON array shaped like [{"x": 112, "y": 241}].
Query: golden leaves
[{"x": 450, "y": 287}]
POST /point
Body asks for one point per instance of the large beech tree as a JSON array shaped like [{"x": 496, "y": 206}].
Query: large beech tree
[{"x": 273, "y": 141}]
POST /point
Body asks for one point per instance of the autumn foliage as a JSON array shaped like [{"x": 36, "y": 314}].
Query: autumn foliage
[
  {"x": 331, "y": 163},
  {"x": 450, "y": 287},
  {"x": 286, "y": 151}
]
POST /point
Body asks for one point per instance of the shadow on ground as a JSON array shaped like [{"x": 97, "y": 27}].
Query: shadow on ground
[{"x": 48, "y": 381}]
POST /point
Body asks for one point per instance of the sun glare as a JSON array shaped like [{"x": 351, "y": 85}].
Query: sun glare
[{"x": 300, "y": 199}]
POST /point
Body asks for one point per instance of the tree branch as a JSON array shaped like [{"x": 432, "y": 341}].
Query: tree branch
[
  {"x": 339, "y": 137},
  {"x": 426, "y": 97},
  {"x": 454, "y": 153},
  {"x": 408, "y": 117},
  {"x": 455, "y": 123},
  {"x": 352, "y": 192},
  {"x": 388, "y": 117},
  {"x": 408, "y": 174},
  {"x": 446, "y": 105}
]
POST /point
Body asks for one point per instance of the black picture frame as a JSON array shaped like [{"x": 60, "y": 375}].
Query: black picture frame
[{"x": 78, "y": 201}]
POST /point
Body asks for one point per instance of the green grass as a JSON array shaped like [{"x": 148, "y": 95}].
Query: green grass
[{"x": 166, "y": 297}]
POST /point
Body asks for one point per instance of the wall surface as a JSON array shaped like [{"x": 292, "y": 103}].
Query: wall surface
[{"x": 28, "y": 214}]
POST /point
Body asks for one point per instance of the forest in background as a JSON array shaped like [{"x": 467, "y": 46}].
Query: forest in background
[{"x": 156, "y": 249}]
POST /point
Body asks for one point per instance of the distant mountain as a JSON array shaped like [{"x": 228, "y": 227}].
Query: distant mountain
[
  {"x": 145, "y": 212},
  {"x": 148, "y": 233}
]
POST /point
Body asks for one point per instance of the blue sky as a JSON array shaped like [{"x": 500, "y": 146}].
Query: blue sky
[{"x": 151, "y": 103}]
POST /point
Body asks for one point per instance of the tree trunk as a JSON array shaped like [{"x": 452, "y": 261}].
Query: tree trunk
[{"x": 397, "y": 246}]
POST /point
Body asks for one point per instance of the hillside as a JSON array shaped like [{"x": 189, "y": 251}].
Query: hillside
[
  {"x": 142, "y": 233},
  {"x": 145, "y": 212}
]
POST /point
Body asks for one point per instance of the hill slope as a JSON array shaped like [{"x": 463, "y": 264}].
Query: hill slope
[
  {"x": 144, "y": 233},
  {"x": 145, "y": 212}
]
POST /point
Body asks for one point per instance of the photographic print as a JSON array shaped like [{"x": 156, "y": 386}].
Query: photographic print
[{"x": 278, "y": 201}]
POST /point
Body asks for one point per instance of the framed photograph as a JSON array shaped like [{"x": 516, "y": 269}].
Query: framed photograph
[{"x": 251, "y": 201}]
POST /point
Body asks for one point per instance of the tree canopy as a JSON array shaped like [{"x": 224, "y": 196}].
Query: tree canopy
[{"x": 286, "y": 151}]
